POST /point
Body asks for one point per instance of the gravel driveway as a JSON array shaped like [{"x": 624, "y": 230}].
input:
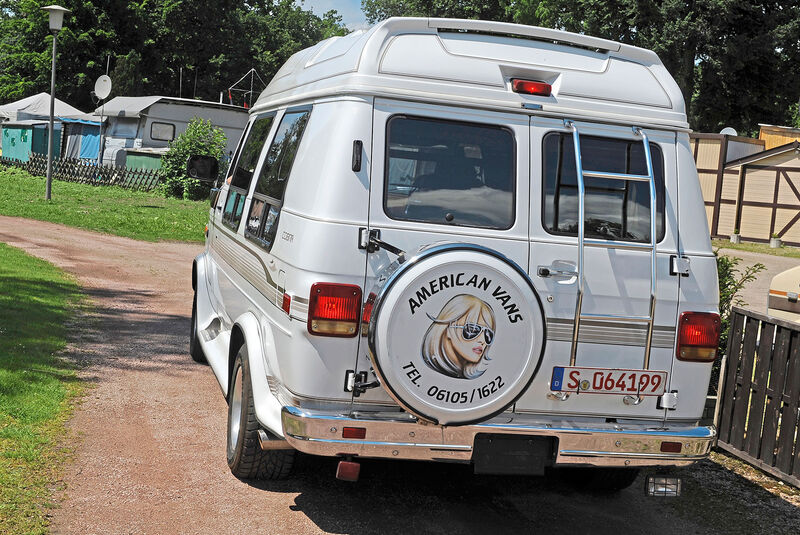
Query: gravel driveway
[{"x": 150, "y": 438}]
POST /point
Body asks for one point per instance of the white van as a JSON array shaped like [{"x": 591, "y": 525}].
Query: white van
[{"x": 462, "y": 241}]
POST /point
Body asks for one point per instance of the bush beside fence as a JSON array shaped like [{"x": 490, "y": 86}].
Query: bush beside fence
[{"x": 86, "y": 172}]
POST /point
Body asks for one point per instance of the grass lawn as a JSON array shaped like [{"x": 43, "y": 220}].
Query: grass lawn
[
  {"x": 792, "y": 252},
  {"x": 110, "y": 209},
  {"x": 36, "y": 386}
]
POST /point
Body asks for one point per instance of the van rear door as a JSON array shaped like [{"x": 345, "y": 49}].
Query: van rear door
[
  {"x": 617, "y": 281},
  {"x": 438, "y": 174}
]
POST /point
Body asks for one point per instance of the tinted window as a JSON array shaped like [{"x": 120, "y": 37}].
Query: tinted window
[
  {"x": 262, "y": 223},
  {"x": 615, "y": 209},
  {"x": 449, "y": 173},
  {"x": 242, "y": 174},
  {"x": 233, "y": 208},
  {"x": 272, "y": 179}
]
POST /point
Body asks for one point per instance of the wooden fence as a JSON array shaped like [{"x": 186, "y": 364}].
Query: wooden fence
[
  {"x": 761, "y": 394},
  {"x": 76, "y": 170}
]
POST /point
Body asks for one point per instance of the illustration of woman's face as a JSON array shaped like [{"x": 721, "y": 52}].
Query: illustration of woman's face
[{"x": 469, "y": 340}]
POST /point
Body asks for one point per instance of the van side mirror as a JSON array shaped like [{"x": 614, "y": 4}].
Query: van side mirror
[{"x": 203, "y": 168}]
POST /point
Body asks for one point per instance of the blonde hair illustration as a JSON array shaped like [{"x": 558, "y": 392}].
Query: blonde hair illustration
[{"x": 443, "y": 346}]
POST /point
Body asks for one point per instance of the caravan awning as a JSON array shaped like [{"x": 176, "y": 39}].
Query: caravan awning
[
  {"x": 84, "y": 119},
  {"x": 127, "y": 106}
]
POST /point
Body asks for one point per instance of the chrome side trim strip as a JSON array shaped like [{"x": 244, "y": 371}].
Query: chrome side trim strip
[{"x": 442, "y": 447}]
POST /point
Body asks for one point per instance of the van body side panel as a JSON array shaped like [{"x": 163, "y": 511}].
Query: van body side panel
[
  {"x": 324, "y": 205},
  {"x": 699, "y": 292},
  {"x": 695, "y": 236},
  {"x": 617, "y": 282}
]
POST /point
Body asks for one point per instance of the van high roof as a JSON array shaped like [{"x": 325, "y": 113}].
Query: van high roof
[{"x": 471, "y": 63}]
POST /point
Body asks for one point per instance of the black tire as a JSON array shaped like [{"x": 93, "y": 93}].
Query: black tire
[
  {"x": 195, "y": 350},
  {"x": 600, "y": 480},
  {"x": 246, "y": 459}
]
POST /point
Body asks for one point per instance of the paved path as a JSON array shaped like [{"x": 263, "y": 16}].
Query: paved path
[
  {"x": 150, "y": 438},
  {"x": 755, "y": 293}
]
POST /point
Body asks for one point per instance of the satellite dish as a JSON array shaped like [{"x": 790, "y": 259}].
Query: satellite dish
[
  {"x": 102, "y": 87},
  {"x": 728, "y": 131}
]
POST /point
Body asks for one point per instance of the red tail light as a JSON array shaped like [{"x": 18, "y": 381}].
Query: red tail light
[
  {"x": 286, "y": 304},
  {"x": 333, "y": 309},
  {"x": 698, "y": 336},
  {"x": 530, "y": 87}
]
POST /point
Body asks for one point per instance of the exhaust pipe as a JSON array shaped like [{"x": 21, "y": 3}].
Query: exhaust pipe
[{"x": 268, "y": 442}]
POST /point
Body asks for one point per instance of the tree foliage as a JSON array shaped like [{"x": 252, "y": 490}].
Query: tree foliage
[
  {"x": 201, "y": 138},
  {"x": 377, "y": 10},
  {"x": 736, "y": 61},
  {"x": 153, "y": 45}
]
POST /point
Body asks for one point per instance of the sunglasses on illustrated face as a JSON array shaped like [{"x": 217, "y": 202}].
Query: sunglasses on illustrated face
[{"x": 472, "y": 330}]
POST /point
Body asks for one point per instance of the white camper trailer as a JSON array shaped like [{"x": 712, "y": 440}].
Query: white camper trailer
[{"x": 462, "y": 241}]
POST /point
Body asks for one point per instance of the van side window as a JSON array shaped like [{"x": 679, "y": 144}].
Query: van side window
[
  {"x": 241, "y": 173},
  {"x": 615, "y": 210},
  {"x": 262, "y": 222},
  {"x": 449, "y": 173}
]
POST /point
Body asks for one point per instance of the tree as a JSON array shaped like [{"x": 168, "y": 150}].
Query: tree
[
  {"x": 377, "y": 10},
  {"x": 155, "y": 47},
  {"x": 200, "y": 138}
]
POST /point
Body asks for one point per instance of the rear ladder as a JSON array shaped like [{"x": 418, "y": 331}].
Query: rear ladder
[{"x": 612, "y": 244}]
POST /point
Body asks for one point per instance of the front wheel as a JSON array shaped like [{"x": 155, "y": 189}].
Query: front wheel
[{"x": 246, "y": 459}]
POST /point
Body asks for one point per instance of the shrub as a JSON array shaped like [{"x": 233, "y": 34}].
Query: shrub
[
  {"x": 731, "y": 281},
  {"x": 200, "y": 137}
]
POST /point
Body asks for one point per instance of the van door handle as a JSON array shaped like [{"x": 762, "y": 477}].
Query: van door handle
[{"x": 559, "y": 268}]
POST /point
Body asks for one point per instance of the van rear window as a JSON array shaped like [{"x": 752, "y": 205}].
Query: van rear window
[
  {"x": 449, "y": 173},
  {"x": 615, "y": 209}
]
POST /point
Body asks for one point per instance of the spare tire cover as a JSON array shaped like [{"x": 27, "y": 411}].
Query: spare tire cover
[{"x": 457, "y": 332}]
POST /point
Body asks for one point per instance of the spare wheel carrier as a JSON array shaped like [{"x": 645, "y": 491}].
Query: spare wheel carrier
[{"x": 457, "y": 332}]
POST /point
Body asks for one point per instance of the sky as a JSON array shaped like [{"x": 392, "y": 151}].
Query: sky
[{"x": 350, "y": 10}]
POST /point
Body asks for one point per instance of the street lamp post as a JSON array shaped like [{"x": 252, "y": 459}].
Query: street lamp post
[{"x": 56, "y": 21}]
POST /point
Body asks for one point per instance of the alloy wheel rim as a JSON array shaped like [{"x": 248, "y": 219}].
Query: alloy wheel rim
[{"x": 234, "y": 421}]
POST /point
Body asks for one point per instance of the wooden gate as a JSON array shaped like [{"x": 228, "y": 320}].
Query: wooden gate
[{"x": 761, "y": 393}]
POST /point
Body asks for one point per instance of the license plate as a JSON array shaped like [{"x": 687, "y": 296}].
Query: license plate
[{"x": 608, "y": 381}]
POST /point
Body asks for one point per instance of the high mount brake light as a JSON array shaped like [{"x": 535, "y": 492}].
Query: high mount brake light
[
  {"x": 333, "y": 309},
  {"x": 698, "y": 336},
  {"x": 530, "y": 87}
]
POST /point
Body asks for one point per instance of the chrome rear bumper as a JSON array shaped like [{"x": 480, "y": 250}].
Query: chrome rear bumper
[{"x": 320, "y": 433}]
